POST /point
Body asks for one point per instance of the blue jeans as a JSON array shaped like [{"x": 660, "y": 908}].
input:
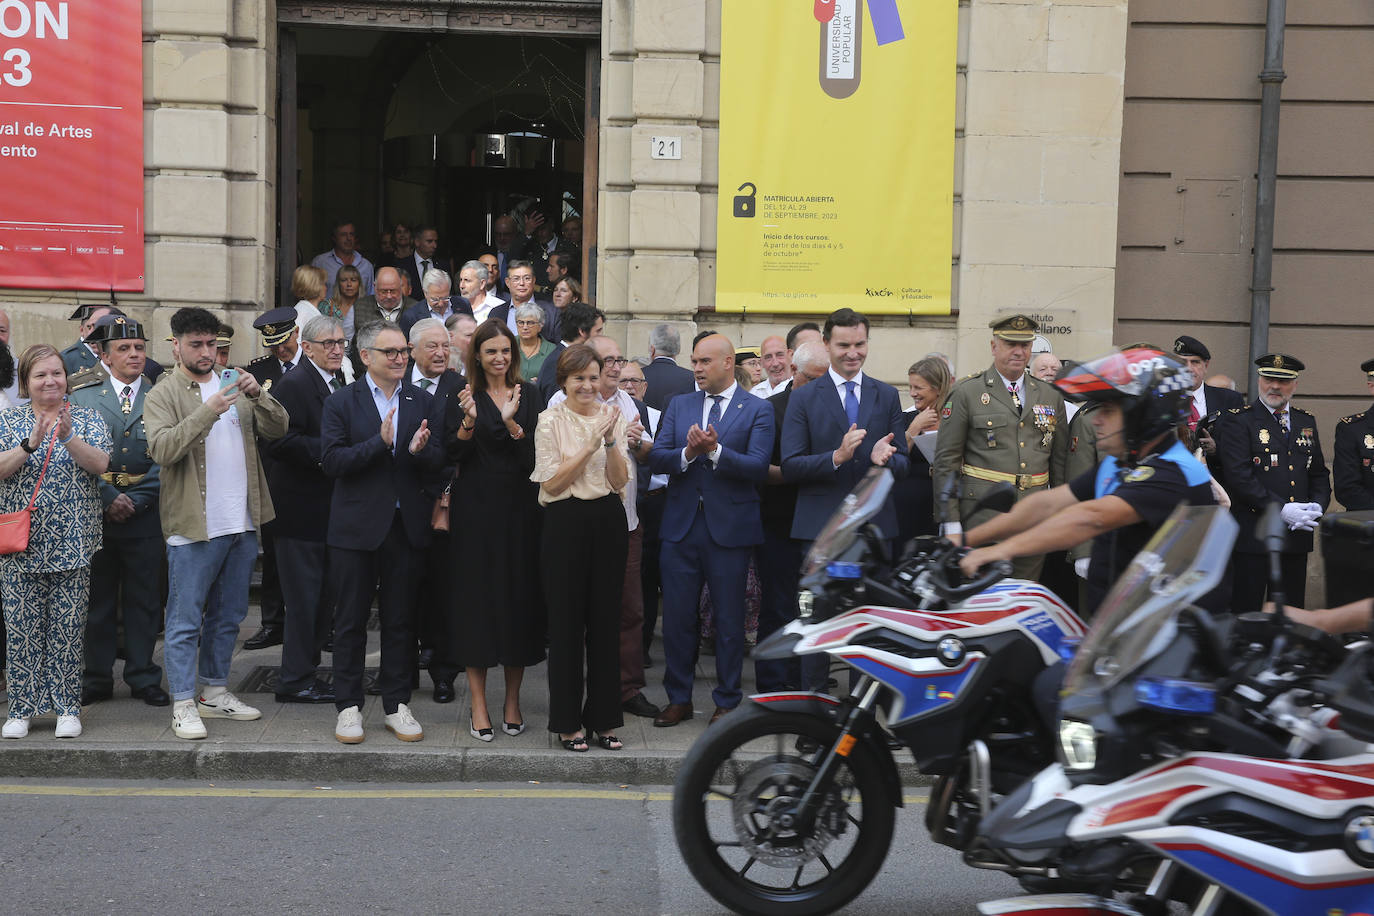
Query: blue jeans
[{"x": 207, "y": 599}]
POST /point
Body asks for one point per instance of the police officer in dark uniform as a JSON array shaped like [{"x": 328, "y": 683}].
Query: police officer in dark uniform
[
  {"x": 124, "y": 571},
  {"x": 1270, "y": 452},
  {"x": 282, "y": 340},
  {"x": 1352, "y": 456}
]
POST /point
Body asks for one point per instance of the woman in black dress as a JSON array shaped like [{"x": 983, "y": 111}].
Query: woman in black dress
[
  {"x": 495, "y": 528},
  {"x": 914, "y": 496}
]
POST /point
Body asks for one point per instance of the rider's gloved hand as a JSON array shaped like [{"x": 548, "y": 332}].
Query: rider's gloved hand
[
  {"x": 1080, "y": 567},
  {"x": 950, "y": 529}
]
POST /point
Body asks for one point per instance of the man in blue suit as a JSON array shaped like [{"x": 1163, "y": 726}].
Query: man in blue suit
[
  {"x": 375, "y": 442},
  {"x": 714, "y": 446},
  {"x": 838, "y": 427}
]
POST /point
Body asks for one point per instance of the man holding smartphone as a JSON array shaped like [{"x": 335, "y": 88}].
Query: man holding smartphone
[{"x": 214, "y": 501}]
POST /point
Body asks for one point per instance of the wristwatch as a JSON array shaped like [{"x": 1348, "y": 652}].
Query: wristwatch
[
  {"x": 610, "y": 444},
  {"x": 24, "y": 444}
]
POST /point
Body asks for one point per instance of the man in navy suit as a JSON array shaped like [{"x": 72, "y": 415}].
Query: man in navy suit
[
  {"x": 714, "y": 445},
  {"x": 301, "y": 492},
  {"x": 437, "y": 301},
  {"x": 664, "y": 378},
  {"x": 422, "y": 259},
  {"x": 375, "y": 442},
  {"x": 838, "y": 427}
]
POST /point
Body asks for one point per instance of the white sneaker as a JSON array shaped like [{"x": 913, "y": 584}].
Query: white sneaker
[
  {"x": 227, "y": 706},
  {"x": 349, "y": 728},
  {"x": 186, "y": 721},
  {"x": 403, "y": 725},
  {"x": 15, "y": 728},
  {"x": 68, "y": 727}
]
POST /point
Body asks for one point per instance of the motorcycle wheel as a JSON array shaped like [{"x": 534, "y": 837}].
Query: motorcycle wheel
[{"x": 740, "y": 777}]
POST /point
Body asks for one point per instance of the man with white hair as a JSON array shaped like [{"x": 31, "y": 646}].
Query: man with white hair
[
  {"x": 437, "y": 302},
  {"x": 664, "y": 376},
  {"x": 1045, "y": 366}
]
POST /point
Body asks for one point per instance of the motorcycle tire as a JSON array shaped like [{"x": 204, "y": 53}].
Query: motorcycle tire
[{"x": 763, "y": 779}]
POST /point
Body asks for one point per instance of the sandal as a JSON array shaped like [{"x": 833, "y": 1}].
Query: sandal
[
  {"x": 578, "y": 744},
  {"x": 609, "y": 742}
]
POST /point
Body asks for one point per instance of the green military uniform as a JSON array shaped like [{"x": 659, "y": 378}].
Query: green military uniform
[
  {"x": 125, "y": 571},
  {"x": 78, "y": 357},
  {"x": 985, "y": 438}
]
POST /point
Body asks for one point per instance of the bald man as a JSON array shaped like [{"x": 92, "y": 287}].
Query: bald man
[{"x": 714, "y": 444}]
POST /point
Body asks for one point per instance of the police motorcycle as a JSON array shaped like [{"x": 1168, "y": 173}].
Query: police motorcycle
[
  {"x": 787, "y": 805},
  {"x": 1221, "y": 765}
]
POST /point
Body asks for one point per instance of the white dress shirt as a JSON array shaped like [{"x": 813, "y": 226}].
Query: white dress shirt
[
  {"x": 840, "y": 381},
  {"x": 727, "y": 396}
]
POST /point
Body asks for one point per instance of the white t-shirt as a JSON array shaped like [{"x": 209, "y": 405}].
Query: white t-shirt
[{"x": 226, "y": 476}]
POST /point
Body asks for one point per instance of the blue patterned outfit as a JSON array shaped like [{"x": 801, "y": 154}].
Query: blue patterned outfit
[{"x": 46, "y": 588}]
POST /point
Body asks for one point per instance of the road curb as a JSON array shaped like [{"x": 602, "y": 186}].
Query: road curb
[{"x": 312, "y": 765}]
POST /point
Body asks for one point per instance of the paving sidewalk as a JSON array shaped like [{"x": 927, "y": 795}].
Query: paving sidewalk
[{"x": 125, "y": 738}]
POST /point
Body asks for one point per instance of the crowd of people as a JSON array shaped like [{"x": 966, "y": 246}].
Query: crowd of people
[{"x": 508, "y": 488}]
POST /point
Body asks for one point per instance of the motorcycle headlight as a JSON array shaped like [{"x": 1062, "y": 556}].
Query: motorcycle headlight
[
  {"x": 1077, "y": 744},
  {"x": 806, "y": 602}
]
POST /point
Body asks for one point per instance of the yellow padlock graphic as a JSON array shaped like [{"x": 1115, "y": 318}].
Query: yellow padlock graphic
[{"x": 744, "y": 203}]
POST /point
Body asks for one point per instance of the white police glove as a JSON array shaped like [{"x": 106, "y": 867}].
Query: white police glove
[
  {"x": 950, "y": 529},
  {"x": 1080, "y": 567}
]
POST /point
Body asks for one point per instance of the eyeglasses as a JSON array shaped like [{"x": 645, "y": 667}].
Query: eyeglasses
[
  {"x": 527, "y": 322},
  {"x": 333, "y": 343},
  {"x": 627, "y": 382},
  {"x": 439, "y": 303},
  {"x": 616, "y": 360},
  {"x": 392, "y": 353}
]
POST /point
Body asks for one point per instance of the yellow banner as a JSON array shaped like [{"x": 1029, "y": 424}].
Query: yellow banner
[{"x": 836, "y": 156}]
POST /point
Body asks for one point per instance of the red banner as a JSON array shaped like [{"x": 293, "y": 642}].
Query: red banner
[{"x": 71, "y": 144}]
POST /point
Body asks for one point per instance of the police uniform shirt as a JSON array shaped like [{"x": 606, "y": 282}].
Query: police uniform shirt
[
  {"x": 1352, "y": 461},
  {"x": 1153, "y": 488}
]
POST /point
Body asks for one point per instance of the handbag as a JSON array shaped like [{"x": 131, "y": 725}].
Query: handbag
[
  {"x": 438, "y": 519},
  {"x": 14, "y": 526}
]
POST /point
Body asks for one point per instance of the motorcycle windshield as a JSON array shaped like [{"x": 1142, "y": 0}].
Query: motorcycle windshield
[
  {"x": 1138, "y": 619},
  {"x": 862, "y": 503}
]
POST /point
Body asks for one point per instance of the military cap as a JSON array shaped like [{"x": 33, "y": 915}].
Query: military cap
[
  {"x": 276, "y": 326},
  {"x": 82, "y": 312},
  {"x": 1015, "y": 328},
  {"x": 1279, "y": 365},
  {"x": 116, "y": 327},
  {"x": 1191, "y": 346},
  {"x": 1367, "y": 367},
  {"x": 747, "y": 353},
  {"x": 225, "y": 337}
]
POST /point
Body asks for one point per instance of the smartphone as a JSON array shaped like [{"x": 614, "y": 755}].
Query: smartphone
[{"x": 228, "y": 378}]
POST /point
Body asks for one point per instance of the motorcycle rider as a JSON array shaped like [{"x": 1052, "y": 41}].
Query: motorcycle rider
[{"x": 1144, "y": 473}]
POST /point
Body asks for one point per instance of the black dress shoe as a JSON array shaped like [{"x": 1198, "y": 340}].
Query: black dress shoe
[
  {"x": 263, "y": 638},
  {"x": 318, "y": 692},
  {"x": 91, "y": 695},
  {"x": 444, "y": 692},
  {"x": 153, "y": 695},
  {"x": 639, "y": 705}
]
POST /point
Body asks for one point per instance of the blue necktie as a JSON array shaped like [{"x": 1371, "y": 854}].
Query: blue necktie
[
  {"x": 851, "y": 403},
  {"x": 713, "y": 419}
]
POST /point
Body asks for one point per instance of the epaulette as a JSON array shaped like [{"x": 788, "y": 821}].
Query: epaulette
[
  {"x": 1239, "y": 409},
  {"x": 968, "y": 378},
  {"x": 153, "y": 380},
  {"x": 1353, "y": 418},
  {"x": 261, "y": 359},
  {"x": 85, "y": 378}
]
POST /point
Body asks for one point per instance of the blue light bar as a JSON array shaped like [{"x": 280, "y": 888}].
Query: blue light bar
[
  {"x": 839, "y": 570},
  {"x": 1174, "y": 695},
  {"x": 1067, "y": 648}
]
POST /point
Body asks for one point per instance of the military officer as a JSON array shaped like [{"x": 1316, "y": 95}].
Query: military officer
[
  {"x": 999, "y": 425},
  {"x": 223, "y": 342},
  {"x": 281, "y": 338},
  {"x": 1270, "y": 452},
  {"x": 95, "y": 372},
  {"x": 124, "y": 572},
  {"x": 81, "y": 355},
  {"x": 1352, "y": 457}
]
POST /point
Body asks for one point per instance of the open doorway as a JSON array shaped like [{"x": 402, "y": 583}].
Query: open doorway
[{"x": 449, "y": 130}]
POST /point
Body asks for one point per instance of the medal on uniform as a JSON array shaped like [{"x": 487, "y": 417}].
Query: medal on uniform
[
  {"x": 1368, "y": 440},
  {"x": 1264, "y": 437},
  {"x": 992, "y": 439},
  {"x": 1273, "y": 461},
  {"x": 986, "y": 398}
]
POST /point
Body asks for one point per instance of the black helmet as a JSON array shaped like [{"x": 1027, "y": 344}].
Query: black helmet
[{"x": 1151, "y": 388}]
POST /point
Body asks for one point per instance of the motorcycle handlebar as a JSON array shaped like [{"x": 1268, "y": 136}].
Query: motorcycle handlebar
[{"x": 992, "y": 573}]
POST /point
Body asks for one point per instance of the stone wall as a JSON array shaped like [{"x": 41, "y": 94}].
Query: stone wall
[
  {"x": 1037, "y": 139},
  {"x": 209, "y": 100}
]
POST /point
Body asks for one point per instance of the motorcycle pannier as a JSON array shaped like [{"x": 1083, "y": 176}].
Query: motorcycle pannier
[{"x": 1348, "y": 551}]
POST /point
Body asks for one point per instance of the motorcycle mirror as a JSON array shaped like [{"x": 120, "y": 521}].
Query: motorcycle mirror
[{"x": 1000, "y": 498}]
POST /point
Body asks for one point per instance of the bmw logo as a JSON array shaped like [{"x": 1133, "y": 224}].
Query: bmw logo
[
  {"x": 1359, "y": 840},
  {"x": 950, "y": 650}
]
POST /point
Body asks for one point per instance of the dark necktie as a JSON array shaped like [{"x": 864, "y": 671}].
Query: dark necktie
[
  {"x": 336, "y": 383},
  {"x": 851, "y": 403},
  {"x": 426, "y": 384},
  {"x": 714, "y": 417},
  {"x": 286, "y": 367},
  {"x": 1015, "y": 398},
  {"x": 126, "y": 399},
  {"x": 424, "y": 269}
]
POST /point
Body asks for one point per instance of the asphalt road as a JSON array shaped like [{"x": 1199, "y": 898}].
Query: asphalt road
[{"x": 164, "y": 847}]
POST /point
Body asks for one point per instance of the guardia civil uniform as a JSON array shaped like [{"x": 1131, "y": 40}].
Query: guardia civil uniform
[
  {"x": 986, "y": 437},
  {"x": 1269, "y": 459},
  {"x": 1352, "y": 456},
  {"x": 126, "y": 571}
]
